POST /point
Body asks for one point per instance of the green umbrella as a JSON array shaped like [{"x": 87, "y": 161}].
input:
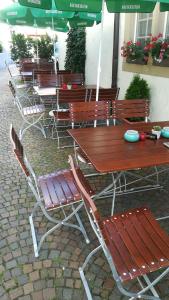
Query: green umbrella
[
  {"x": 112, "y": 5},
  {"x": 45, "y": 4},
  {"x": 78, "y": 22}
]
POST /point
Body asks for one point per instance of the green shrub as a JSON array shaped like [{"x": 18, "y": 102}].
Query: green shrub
[
  {"x": 1, "y": 48},
  {"x": 138, "y": 89},
  {"x": 76, "y": 50},
  {"x": 45, "y": 47},
  {"x": 20, "y": 47}
]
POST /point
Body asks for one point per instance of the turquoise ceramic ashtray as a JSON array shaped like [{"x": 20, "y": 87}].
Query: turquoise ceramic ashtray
[
  {"x": 165, "y": 132},
  {"x": 131, "y": 136}
]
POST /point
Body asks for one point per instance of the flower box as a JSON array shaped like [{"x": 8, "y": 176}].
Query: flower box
[
  {"x": 163, "y": 63},
  {"x": 137, "y": 61}
]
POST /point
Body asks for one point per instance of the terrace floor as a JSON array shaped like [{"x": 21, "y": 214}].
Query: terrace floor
[{"x": 54, "y": 275}]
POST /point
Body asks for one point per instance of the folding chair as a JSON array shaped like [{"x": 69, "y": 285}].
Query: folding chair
[
  {"x": 61, "y": 113},
  {"x": 123, "y": 110},
  {"x": 134, "y": 245},
  {"x": 105, "y": 94},
  {"x": 32, "y": 114},
  {"x": 55, "y": 191},
  {"x": 88, "y": 113}
]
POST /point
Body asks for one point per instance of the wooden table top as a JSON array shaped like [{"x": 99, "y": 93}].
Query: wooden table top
[
  {"x": 107, "y": 150},
  {"x": 51, "y": 91}
]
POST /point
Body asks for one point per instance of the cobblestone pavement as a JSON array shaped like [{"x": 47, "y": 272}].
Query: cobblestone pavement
[{"x": 54, "y": 275}]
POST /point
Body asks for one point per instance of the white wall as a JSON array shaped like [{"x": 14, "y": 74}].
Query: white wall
[
  {"x": 92, "y": 51},
  {"x": 62, "y": 48},
  {"x": 159, "y": 106}
]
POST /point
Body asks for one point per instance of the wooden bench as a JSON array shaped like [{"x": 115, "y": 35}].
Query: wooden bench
[{"x": 104, "y": 94}]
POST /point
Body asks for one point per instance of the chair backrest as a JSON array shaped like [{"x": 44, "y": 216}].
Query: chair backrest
[
  {"x": 73, "y": 78},
  {"x": 122, "y": 109},
  {"x": 28, "y": 67},
  {"x": 18, "y": 150},
  {"x": 89, "y": 204},
  {"x": 64, "y": 72},
  {"x": 73, "y": 95},
  {"x": 37, "y": 72},
  {"x": 48, "y": 80},
  {"x": 48, "y": 66},
  {"x": 89, "y": 111},
  {"x": 104, "y": 94}
]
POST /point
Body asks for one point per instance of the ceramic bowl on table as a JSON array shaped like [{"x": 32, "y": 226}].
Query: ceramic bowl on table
[
  {"x": 165, "y": 132},
  {"x": 131, "y": 136}
]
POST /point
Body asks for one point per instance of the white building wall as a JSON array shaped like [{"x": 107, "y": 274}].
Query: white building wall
[
  {"x": 93, "y": 35},
  {"x": 62, "y": 49},
  {"x": 159, "y": 107}
]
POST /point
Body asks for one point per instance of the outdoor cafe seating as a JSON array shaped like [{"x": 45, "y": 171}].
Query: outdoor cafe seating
[
  {"x": 53, "y": 192},
  {"x": 133, "y": 243}
]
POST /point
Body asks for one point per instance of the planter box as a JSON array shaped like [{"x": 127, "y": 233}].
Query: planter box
[
  {"x": 137, "y": 61},
  {"x": 163, "y": 63}
]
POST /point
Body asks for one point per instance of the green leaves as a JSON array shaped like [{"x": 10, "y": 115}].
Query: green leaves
[
  {"x": 21, "y": 47},
  {"x": 138, "y": 89},
  {"x": 76, "y": 51}
]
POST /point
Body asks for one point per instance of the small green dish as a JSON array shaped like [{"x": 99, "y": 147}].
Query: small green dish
[{"x": 131, "y": 136}]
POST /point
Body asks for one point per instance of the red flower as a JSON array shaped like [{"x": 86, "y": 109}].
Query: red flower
[
  {"x": 138, "y": 43},
  {"x": 129, "y": 43},
  {"x": 160, "y": 35}
]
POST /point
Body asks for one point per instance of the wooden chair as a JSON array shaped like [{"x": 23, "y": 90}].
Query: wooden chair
[
  {"x": 134, "y": 108},
  {"x": 73, "y": 78},
  {"x": 48, "y": 80},
  {"x": 104, "y": 94},
  {"x": 55, "y": 191},
  {"x": 32, "y": 113},
  {"x": 61, "y": 113},
  {"x": 134, "y": 245},
  {"x": 88, "y": 113}
]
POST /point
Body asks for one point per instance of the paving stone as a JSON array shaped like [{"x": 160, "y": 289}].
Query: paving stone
[
  {"x": 49, "y": 294},
  {"x": 37, "y": 295},
  {"x": 27, "y": 297},
  {"x": 9, "y": 284},
  {"x": 27, "y": 268},
  {"x": 28, "y": 288},
  {"x": 34, "y": 275},
  {"x": 11, "y": 264},
  {"x": 67, "y": 294},
  {"x": 23, "y": 279},
  {"x": 15, "y": 294}
]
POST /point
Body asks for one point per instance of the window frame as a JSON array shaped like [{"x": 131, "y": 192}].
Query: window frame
[{"x": 136, "y": 36}]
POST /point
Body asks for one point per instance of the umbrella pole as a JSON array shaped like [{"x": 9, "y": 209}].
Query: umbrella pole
[
  {"x": 55, "y": 68},
  {"x": 100, "y": 54}
]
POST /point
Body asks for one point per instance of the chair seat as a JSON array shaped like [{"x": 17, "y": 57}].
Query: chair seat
[
  {"x": 35, "y": 109},
  {"x": 59, "y": 188},
  {"x": 137, "y": 243},
  {"x": 60, "y": 115}
]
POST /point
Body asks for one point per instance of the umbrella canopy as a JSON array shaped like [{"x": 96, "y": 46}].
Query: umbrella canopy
[
  {"x": 45, "y": 4},
  {"x": 19, "y": 15},
  {"x": 125, "y": 6}
]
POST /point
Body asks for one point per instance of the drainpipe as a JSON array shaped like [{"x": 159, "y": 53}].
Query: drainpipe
[{"x": 115, "y": 49}]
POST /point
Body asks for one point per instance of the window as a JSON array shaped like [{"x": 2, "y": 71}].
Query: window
[
  {"x": 166, "y": 26},
  {"x": 143, "y": 26}
]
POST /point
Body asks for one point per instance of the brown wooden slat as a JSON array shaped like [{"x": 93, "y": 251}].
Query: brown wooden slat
[
  {"x": 119, "y": 251},
  {"x": 46, "y": 194},
  {"x": 65, "y": 187}
]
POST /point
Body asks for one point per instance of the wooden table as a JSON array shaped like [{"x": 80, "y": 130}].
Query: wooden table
[{"x": 108, "y": 152}]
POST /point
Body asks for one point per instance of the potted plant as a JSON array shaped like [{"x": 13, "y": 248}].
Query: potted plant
[
  {"x": 138, "y": 89},
  {"x": 69, "y": 85},
  {"x": 134, "y": 52},
  {"x": 158, "y": 48},
  {"x": 157, "y": 131}
]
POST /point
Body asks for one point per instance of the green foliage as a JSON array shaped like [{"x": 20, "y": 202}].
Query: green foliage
[
  {"x": 138, "y": 89},
  {"x": 76, "y": 50},
  {"x": 21, "y": 47},
  {"x": 45, "y": 47},
  {"x": 1, "y": 48}
]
